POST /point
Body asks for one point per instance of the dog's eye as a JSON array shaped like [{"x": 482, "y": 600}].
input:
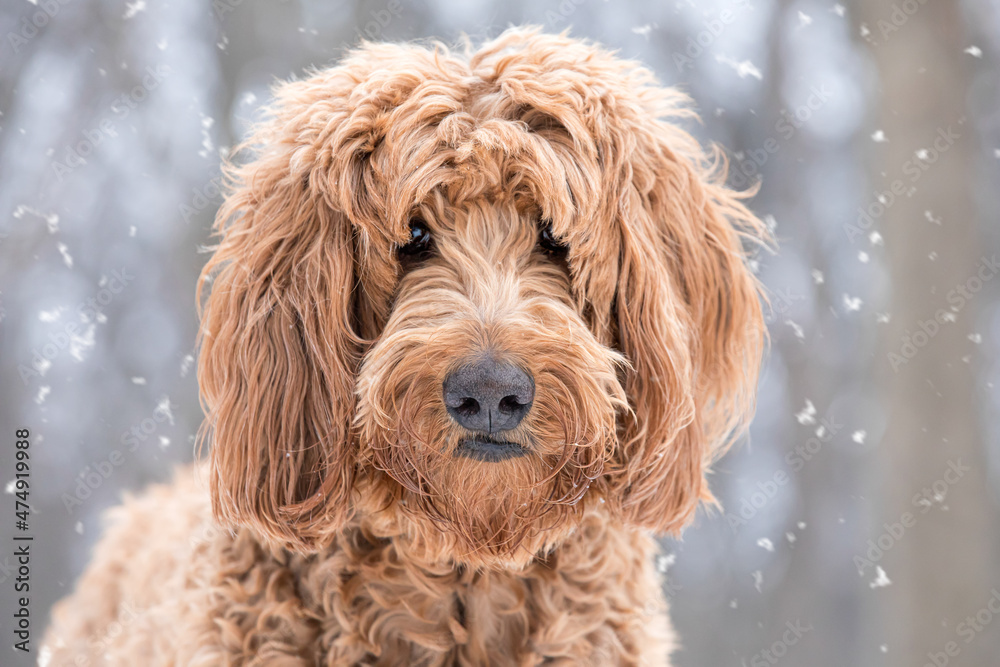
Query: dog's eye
[
  {"x": 419, "y": 245},
  {"x": 548, "y": 241}
]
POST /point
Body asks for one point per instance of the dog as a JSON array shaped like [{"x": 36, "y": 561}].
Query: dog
[{"x": 476, "y": 326}]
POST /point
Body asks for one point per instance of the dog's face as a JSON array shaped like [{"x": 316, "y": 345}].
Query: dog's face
[
  {"x": 487, "y": 402},
  {"x": 474, "y": 297}
]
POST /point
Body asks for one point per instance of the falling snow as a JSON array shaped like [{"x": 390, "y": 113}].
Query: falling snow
[
  {"x": 51, "y": 219},
  {"x": 852, "y": 303},
  {"x": 808, "y": 414},
  {"x": 206, "y": 136},
  {"x": 881, "y": 580},
  {"x": 796, "y": 329},
  {"x": 743, "y": 68},
  {"x": 133, "y": 8},
  {"x": 80, "y": 343},
  {"x": 64, "y": 251},
  {"x": 50, "y": 315},
  {"x": 664, "y": 562},
  {"x": 164, "y": 408}
]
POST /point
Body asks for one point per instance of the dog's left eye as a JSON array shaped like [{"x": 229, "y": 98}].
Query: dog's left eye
[
  {"x": 548, "y": 241},
  {"x": 419, "y": 244}
]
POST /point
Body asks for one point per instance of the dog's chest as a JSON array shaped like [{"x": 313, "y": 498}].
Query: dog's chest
[{"x": 595, "y": 600}]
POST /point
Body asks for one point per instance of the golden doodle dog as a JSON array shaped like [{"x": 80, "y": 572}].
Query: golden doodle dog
[{"x": 475, "y": 328}]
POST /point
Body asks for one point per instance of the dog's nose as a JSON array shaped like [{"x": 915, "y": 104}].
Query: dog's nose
[{"x": 488, "y": 395}]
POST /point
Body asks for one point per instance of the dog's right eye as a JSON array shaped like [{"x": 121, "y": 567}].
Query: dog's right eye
[
  {"x": 548, "y": 241},
  {"x": 419, "y": 245}
]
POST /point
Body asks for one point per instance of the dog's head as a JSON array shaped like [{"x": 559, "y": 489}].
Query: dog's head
[{"x": 475, "y": 295}]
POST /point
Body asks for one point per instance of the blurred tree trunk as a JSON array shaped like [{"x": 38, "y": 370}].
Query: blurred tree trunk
[
  {"x": 943, "y": 565},
  {"x": 819, "y": 378}
]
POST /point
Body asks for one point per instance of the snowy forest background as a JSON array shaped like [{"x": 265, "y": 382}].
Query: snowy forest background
[{"x": 875, "y": 126}]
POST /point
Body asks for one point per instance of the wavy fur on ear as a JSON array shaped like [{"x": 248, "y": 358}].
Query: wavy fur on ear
[
  {"x": 279, "y": 349},
  {"x": 689, "y": 320}
]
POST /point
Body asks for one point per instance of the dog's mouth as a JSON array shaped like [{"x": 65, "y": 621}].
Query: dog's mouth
[{"x": 483, "y": 448}]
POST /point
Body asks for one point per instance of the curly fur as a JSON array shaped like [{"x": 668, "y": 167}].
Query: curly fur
[{"x": 355, "y": 535}]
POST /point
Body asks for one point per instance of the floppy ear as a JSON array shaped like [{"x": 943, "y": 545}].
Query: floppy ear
[
  {"x": 279, "y": 348},
  {"x": 689, "y": 321}
]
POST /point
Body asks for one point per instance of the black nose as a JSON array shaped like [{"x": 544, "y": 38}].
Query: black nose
[{"x": 488, "y": 395}]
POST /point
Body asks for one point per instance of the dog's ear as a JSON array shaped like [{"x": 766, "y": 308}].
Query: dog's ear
[
  {"x": 689, "y": 321},
  {"x": 279, "y": 346}
]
